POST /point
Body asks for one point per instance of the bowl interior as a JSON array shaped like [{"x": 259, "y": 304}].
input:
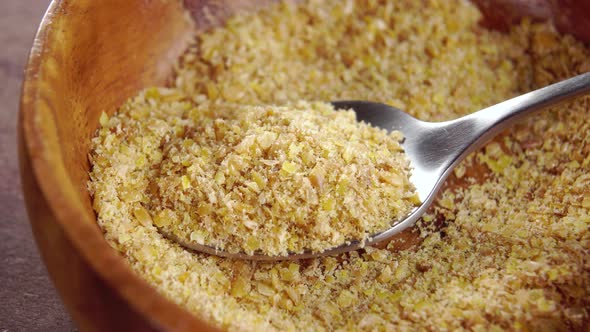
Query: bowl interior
[{"x": 88, "y": 58}]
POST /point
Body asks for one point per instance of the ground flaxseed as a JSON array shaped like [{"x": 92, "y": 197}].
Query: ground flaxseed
[
  {"x": 513, "y": 251},
  {"x": 277, "y": 180}
]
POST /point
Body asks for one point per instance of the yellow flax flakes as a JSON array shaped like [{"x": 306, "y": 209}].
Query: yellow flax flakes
[{"x": 280, "y": 179}]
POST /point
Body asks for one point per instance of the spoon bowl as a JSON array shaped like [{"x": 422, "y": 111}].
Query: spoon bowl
[{"x": 433, "y": 148}]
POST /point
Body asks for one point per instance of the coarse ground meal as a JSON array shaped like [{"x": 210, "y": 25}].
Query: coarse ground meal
[
  {"x": 271, "y": 180},
  {"x": 508, "y": 249}
]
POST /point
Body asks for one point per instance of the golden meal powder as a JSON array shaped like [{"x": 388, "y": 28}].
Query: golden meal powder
[
  {"x": 506, "y": 246},
  {"x": 279, "y": 180}
]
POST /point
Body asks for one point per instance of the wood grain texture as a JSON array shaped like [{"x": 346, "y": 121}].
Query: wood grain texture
[
  {"x": 569, "y": 16},
  {"x": 210, "y": 13},
  {"x": 89, "y": 57},
  {"x": 572, "y": 16}
]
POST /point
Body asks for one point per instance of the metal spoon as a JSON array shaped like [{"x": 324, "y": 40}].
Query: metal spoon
[{"x": 434, "y": 149}]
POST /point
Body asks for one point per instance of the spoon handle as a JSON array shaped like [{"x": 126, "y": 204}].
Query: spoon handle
[
  {"x": 453, "y": 140},
  {"x": 444, "y": 144},
  {"x": 492, "y": 120}
]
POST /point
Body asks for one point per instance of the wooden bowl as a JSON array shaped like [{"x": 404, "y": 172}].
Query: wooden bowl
[{"x": 89, "y": 57}]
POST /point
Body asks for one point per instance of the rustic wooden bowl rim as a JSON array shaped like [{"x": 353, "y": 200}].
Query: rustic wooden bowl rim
[{"x": 84, "y": 233}]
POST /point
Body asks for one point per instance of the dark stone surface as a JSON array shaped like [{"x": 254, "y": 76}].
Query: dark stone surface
[{"x": 28, "y": 300}]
